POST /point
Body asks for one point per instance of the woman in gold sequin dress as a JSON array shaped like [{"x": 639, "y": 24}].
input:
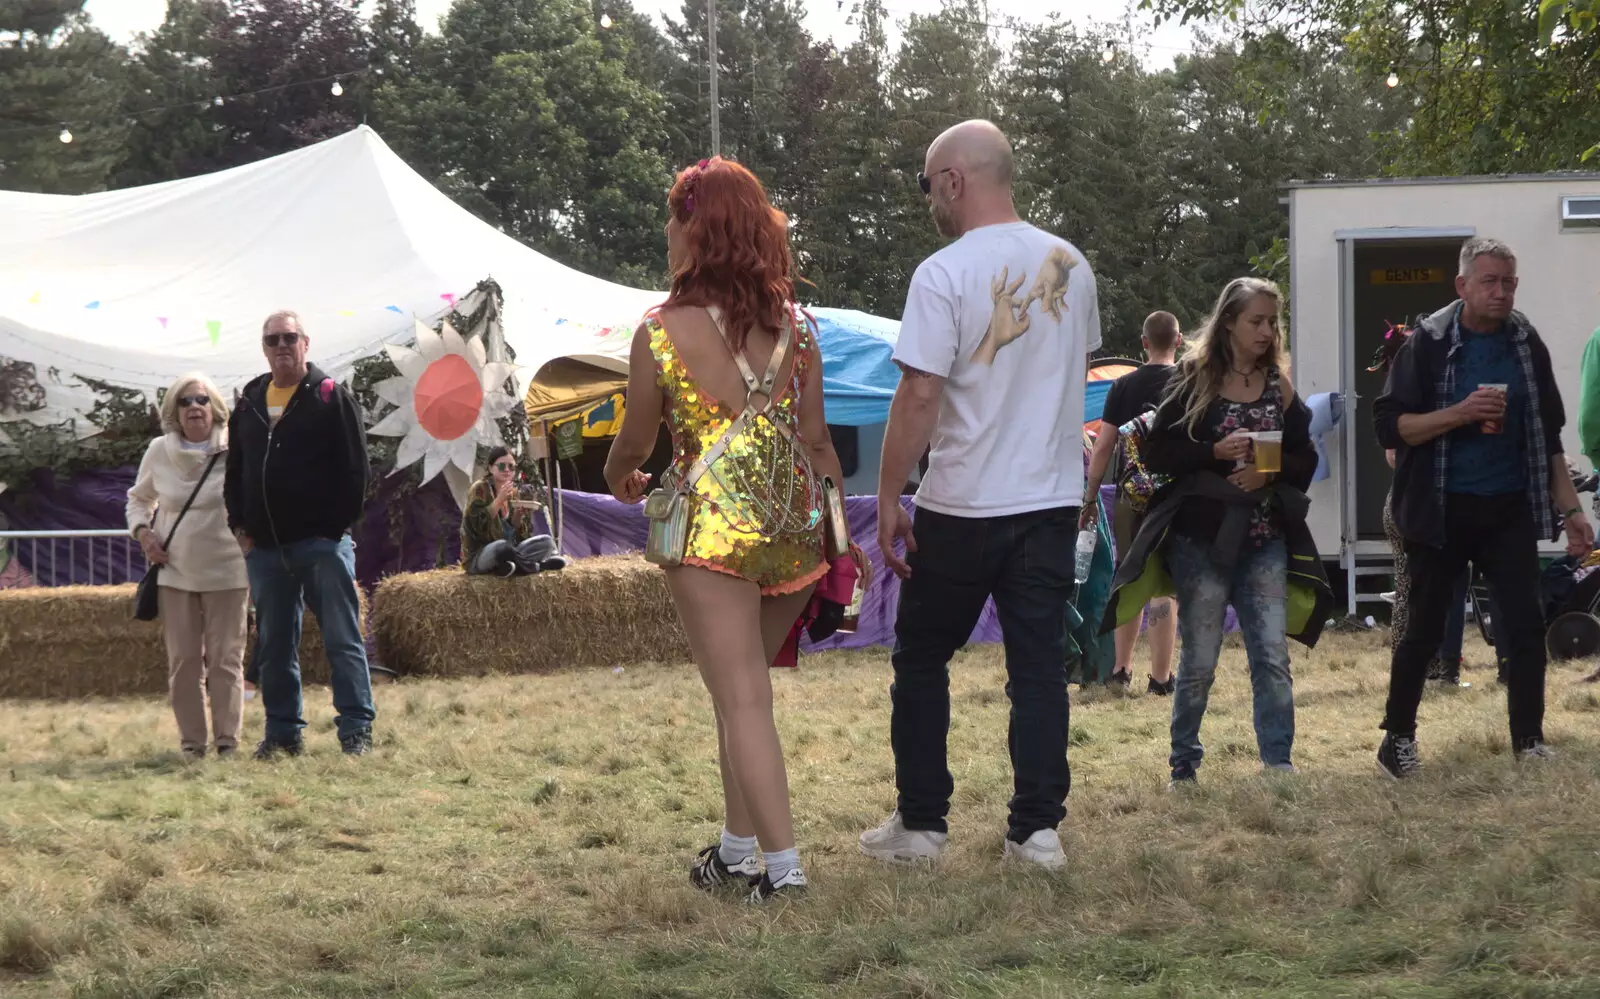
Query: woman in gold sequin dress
[{"x": 755, "y": 541}]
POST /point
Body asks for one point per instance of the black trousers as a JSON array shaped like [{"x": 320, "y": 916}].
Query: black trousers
[
  {"x": 1026, "y": 563},
  {"x": 1497, "y": 534}
]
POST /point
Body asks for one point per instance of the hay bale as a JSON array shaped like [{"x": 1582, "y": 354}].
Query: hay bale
[
  {"x": 82, "y": 641},
  {"x": 608, "y": 611}
]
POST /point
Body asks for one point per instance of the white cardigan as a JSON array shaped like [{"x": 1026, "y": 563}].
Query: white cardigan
[{"x": 203, "y": 556}]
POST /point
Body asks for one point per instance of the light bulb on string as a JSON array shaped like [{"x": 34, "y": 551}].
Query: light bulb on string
[
  {"x": 66, "y": 135},
  {"x": 605, "y": 20},
  {"x": 216, "y": 102},
  {"x": 337, "y": 89},
  {"x": 1109, "y": 54},
  {"x": 1394, "y": 79}
]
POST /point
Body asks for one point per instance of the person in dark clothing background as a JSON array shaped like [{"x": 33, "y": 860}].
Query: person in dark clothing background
[
  {"x": 1473, "y": 414},
  {"x": 296, "y": 483},
  {"x": 1133, "y": 394}
]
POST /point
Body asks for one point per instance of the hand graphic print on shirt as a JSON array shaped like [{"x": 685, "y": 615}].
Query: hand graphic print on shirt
[
  {"x": 1051, "y": 285},
  {"x": 1012, "y": 318},
  {"x": 1006, "y": 325}
]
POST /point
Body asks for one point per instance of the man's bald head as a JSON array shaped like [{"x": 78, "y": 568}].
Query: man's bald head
[{"x": 978, "y": 149}]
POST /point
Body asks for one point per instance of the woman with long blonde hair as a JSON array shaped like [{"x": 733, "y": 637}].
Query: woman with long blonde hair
[{"x": 1236, "y": 444}]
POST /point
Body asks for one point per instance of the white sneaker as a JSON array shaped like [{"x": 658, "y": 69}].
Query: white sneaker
[
  {"x": 1042, "y": 848},
  {"x": 894, "y": 843}
]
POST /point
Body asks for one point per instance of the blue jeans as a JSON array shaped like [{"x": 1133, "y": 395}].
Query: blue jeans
[
  {"x": 1257, "y": 587},
  {"x": 321, "y": 574},
  {"x": 1025, "y": 562}
]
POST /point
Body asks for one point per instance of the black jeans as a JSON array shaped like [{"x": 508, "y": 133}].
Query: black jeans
[
  {"x": 1496, "y": 533},
  {"x": 1026, "y": 563}
]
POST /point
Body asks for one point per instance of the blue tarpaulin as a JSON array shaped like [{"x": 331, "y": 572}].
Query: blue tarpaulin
[{"x": 859, "y": 375}]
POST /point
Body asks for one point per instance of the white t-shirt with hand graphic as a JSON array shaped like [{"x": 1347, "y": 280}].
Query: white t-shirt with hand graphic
[{"x": 1007, "y": 314}]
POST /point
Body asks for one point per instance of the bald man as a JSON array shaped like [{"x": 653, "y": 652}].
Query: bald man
[{"x": 993, "y": 350}]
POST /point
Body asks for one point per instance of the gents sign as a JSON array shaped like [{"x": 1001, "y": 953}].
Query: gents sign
[{"x": 1410, "y": 275}]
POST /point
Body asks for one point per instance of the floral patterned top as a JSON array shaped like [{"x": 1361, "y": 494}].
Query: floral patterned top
[{"x": 1225, "y": 417}]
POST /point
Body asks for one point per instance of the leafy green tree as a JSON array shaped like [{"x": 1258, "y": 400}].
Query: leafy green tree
[
  {"x": 57, "y": 70},
  {"x": 527, "y": 116}
]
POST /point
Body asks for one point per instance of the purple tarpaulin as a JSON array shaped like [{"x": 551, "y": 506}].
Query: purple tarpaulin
[{"x": 600, "y": 525}]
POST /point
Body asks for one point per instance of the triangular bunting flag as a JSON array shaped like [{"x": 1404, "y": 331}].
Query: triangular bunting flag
[
  {"x": 214, "y": 328},
  {"x": 347, "y": 312},
  {"x": 93, "y": 305},
  {"x": 33, "y": 299},
  {"x": 448, "y": 297},
  {"x": 162, "y": 320},
  {"x": 395, "y": 309}
]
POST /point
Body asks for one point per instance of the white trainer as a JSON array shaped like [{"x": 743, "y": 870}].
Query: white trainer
[
  {"x": 894, "y": 843},
  {"x": 1042, "y": 848}
]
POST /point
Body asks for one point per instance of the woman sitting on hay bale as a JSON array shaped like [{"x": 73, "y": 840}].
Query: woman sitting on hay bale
[
  {"x": 740, "y": 522},
  {"x": 497, "y": 529},
  {"x": 203, "y": 587}
]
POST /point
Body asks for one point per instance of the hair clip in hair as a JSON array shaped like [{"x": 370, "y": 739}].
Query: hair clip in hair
[{"x": 691, "y": 176}]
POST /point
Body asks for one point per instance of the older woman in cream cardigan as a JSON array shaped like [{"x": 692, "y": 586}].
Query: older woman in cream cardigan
[{"x": 204, "y": 591}]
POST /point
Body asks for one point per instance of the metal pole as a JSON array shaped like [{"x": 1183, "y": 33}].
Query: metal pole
[{"x": 716, "y": 104}]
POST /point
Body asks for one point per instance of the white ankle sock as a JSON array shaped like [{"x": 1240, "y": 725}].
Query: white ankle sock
[
  {"x": 735, "y": 848},
  {"x": 781, "y": 863}
]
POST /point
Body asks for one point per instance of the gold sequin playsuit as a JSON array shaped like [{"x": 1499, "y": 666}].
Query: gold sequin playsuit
[{"x": 757, "y": 513}]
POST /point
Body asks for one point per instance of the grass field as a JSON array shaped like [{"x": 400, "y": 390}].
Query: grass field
[{"x": 528, "y": 837}]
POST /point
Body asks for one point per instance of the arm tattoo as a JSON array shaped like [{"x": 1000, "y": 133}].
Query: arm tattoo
[{"x": 910, "y": 372}]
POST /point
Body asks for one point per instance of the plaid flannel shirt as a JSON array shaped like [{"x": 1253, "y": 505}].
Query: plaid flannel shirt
[{"x": 1537, "y": 454}]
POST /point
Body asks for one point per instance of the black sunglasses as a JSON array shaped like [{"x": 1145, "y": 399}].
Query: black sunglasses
[
  {"x": 194, "y": 400},
  {"x": 280, "y": 339},
  {"x": 925, "y": 181}
]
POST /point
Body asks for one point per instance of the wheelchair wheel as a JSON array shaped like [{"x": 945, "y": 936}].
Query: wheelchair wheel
[
  {"x": 1482, "y": 607},
  {"x": 1574, "y": 635}
]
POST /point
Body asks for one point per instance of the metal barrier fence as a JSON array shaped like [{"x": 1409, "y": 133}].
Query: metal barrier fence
[{"x": 76, "y": 558}]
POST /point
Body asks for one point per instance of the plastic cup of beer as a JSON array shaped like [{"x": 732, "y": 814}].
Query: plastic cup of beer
[
  {"x": 1494, "y": 426},
  {"x": 1268, "y": 448}
]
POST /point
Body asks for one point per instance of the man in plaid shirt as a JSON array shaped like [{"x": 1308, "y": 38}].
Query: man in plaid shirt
[{"x": 1472, "y": 411}]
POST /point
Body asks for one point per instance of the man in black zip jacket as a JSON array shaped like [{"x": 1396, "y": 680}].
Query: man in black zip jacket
[
  {"x": 1473, "y": 414},
  {"x": 296, "y": 482}
]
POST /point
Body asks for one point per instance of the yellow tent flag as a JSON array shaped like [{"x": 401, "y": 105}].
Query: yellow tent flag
[{"x": 605, "y": 420}]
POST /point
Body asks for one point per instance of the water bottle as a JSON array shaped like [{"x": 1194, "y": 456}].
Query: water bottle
[{"x": 1085, "y": 559}]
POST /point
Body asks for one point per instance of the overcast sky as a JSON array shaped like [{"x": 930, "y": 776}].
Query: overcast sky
[{"x": 124, "y": 18}]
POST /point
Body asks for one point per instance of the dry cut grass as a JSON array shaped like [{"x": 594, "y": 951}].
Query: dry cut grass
[{"x": 527, "y": 836}]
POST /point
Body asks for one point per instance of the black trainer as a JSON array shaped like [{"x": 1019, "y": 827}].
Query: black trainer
[
  {"x": 709, "y": 872},
  {"x": 269, "y": 749},
  {"x": 1398, "y": 758},
  {"x": 1163, "y": 689},
  {"x": 356, "y": 743},
  {"x": 790, "y": 886},
  {"x": 1121, "y": 678},
  {"x": 1450, "y": 674},
  {"x": 223, "y": 752}
]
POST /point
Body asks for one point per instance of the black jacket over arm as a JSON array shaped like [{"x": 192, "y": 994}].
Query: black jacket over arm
[
  {"x": 1170, "y": 451},
  {"x": 304, "y": 478}
]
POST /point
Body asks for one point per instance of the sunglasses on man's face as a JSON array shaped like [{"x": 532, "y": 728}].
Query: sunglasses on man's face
[
  {"x": 925, "y": 181},
  {"x": 280, "y": 339},
  {"x": 185, "y": 401}
]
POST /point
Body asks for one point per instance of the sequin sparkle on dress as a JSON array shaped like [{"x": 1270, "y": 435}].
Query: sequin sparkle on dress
[{"x": 757, "y": 512}]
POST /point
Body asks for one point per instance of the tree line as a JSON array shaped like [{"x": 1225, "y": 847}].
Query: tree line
[{"x": 560, "y": 121}]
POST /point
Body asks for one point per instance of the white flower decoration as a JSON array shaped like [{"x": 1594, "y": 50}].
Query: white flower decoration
[{"x": 447, "y": 398}]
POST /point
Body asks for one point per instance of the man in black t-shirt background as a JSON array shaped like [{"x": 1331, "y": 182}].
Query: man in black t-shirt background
[{"x": 1137, "y": 392}]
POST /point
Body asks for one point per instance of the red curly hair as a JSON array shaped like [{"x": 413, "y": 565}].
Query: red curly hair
[{"x": 738, "y": 248}]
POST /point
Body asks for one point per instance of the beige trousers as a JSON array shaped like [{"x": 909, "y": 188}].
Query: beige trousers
[{"x": 205, "y": 653}]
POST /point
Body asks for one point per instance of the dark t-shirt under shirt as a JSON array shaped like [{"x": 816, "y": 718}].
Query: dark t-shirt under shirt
[{"x": 1136, "y": 392}]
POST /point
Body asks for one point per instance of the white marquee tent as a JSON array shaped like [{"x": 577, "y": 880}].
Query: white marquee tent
[{"x": 136, "y": 287}]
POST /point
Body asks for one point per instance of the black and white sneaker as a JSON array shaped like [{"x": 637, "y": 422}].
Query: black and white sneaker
[
  {"x": 790, "y": 886},
  {"x": 710, "y": 873},
  {"x": 1398, "y": 758}
]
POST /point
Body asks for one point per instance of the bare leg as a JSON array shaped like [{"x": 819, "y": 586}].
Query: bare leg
[
  {"x": 723, "y": 618},
  {"x": 1163, "y": 636},
  {"x": 1126, "y": 637}
]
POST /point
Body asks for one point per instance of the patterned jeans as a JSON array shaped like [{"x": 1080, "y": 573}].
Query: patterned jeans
[{"x": 1257, "y": 587}]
